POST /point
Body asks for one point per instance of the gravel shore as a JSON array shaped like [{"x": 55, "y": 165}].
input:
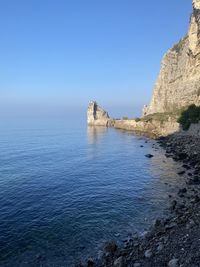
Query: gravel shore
[{"x": 173, "y": 241}]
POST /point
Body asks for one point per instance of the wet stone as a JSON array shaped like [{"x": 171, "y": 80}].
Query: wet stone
[
  {"x": 182, "y": 191},
  {"x": 181, "y": 172},
  {"x": 148, "y": 253},
  {"x": 90, "y": 263},
  {"x": 160, "y": 247},
  {"x": 111, "y": 247},
  {"x": 187, "y": 167},
  {"x": 119, "y": 262},
  {"x": 173, "y": 263},
  {"x": 173, "y": 204},
  {"x": 149, "y": 156}
]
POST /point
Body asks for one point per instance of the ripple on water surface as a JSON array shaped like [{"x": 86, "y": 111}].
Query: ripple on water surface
[{"x": 66, "y": 190}]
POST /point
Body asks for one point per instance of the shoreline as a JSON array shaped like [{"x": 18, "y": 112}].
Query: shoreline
[{"x": 174, "y": 240}]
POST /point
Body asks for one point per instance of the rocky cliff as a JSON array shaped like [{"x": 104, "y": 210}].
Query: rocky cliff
[
  {"x": 178, "y": 84},
  {"x": 96, "y": 115}
]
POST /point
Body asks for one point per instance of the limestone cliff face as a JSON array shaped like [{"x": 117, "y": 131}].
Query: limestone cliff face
[
  {"x": 96, "y": 115},
  {"x": 178, "y": 84}
]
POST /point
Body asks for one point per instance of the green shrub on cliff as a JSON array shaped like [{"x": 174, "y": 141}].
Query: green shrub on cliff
[
  {"x": 164, "y": 116},
  {"x": 125, "y": 118},
  {"x": 161, "y": 117},
  {"x": 188, "y": 116},
  {"x": 137, "y": 119}
]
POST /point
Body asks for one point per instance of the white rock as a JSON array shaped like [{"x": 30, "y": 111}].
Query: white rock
[
  {"x": 160, "y": 247},
  {"x": 119, "y": 262},
  {"x": 148, "y": 253},
  {"x": 173, "y": 263}
]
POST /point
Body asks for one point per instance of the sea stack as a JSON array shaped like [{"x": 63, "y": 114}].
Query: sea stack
[{"x": 97, "y": 116}]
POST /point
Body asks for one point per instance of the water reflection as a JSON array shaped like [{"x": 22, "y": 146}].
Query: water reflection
[
  {"x": 91, "y": 189},
  {"x": 95, "y": 134}
]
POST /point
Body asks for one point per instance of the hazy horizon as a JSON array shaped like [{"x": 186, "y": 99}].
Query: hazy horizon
[
  {"x": 50, "y": 111},
  {"x": 57, "y": 55}
]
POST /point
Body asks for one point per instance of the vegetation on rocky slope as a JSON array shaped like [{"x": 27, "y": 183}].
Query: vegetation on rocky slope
[
  {"x": 189, "y": 116},
  {"x": 185, "y": 116},
  {"x": 163, "y": 117}
]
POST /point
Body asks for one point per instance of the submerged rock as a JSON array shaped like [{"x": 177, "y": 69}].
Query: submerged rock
[{"x": 149, "y": 156}]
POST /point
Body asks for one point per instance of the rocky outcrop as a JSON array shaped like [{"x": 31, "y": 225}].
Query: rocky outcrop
[
  {"x": 196, "y": 4},
  {"x": 96, "y": 116},
  {"x": 153, "y": 128},
  {"x": 178, "y": 84}
]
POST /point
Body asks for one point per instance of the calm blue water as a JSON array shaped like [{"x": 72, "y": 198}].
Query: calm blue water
[{"x": 65, "y": 189}]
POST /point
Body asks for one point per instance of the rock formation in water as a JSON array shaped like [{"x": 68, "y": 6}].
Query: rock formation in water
[
  {"x": 96, "y": 115},
  {"x": 178, "y": 84}
]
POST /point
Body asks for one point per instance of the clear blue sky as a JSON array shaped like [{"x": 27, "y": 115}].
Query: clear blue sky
[{"x": 67, "y": 52}]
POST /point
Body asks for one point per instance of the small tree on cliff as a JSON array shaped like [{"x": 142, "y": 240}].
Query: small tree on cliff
[{"x": 189, "y": 116}]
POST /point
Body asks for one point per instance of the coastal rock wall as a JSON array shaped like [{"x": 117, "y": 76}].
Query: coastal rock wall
[
  {"x": 152, "y": 128},
  {"x": 178, "y": 84},
  {"x": 97, "y": 116}
]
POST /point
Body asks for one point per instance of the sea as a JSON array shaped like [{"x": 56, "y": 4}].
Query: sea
[{"x": 66, "y": 189}]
